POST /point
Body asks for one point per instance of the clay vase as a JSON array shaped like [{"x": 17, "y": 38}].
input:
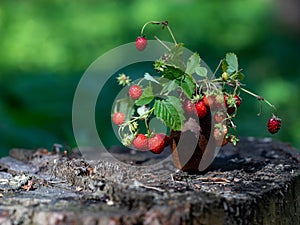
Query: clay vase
[{"x": 192, "y": 148}]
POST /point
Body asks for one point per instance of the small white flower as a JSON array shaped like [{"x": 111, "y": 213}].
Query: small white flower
[{"x": 142, "y": 110}]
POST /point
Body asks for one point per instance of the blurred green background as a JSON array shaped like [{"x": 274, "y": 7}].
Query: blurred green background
[{"x": 45, "y": 47}]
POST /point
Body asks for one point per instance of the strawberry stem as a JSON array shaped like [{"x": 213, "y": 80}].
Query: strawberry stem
[
  {"x": 258, "y": 98},
  {"x": 147, "y": 127},
  {"x": 164, "y": 23},
  {"x": 143, "y": 28},
  {"x": 214, "y": 74},
  {"x": 163, "y": 44},
  {"x": 172, "y": 35}
]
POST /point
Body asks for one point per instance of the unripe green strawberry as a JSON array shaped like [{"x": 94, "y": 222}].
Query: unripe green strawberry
[
  {"x": 274, "y": 124},
  {"x": 140, "y": 142},
  {"x": 225, "y": 76},
  {"x": 118, "y": 118},
  {"x": 135, "y": 92},
  {"x": 156, "y": 144},
  {"x": 140, "y": 43}
]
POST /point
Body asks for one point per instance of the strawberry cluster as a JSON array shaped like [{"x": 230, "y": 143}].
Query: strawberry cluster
[
  {"x": 222, "y": 107},
  {"x": 152, "y": 142},
  {"x": 213, "y": 101},
  {"x": 156, "y": 143}
]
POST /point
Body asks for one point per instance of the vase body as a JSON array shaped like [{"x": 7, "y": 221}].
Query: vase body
[{"x": 194, "y": 149}]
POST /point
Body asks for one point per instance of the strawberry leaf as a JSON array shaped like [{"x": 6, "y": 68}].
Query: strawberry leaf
[
  {"x": 169, "y": 86},
  {"x": 201, "y": 71},
  {"x": 172, "y": 72},
  {"x": 177, "y": 104},
  {"x": 187, "y": 85},
  {"x": 193, "y": 66},
  {"x": 224, "y": 65},
  {"x": 193, "y": 63},
  {"x": 240, "y": 76},
  {"x": 170, "y": 112},
  {"x": 146, "y": 97},
  {"x": 232, "y": 62},
  {"x": 175, "y": 56}
]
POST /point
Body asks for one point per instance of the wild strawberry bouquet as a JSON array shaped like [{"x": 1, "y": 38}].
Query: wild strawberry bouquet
[{"x": 183, "y": 97}]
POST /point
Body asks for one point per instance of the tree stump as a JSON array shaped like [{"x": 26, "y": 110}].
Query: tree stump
[{"x": 256, "y": 182}]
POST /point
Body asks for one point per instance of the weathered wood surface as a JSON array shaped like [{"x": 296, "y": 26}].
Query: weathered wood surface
[{"x": 257, "y": 182}]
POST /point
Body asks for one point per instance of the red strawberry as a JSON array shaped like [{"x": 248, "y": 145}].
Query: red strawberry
[
  {"x": 118, "y": 118},
  {"x": 165, "y": 138},
  {"x": 189, "y": 107},
  {"x": 135, "y": 92},
  {"x": 201, "y": 109},
  {"x": 274, "y": 124},
  {"x": 140, "y": 142},
  {"x": 238, "y": 101},
  {"x": 156, "y": 144},
  {"x": 219, "y": 117},
  {"x": 140, "y": 43}
]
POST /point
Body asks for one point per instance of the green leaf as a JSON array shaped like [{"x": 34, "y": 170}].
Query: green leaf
[
  {"x": 201, "y": 71},
  {"x": 146, "y": 97},
  {"x": 224, "y": 65},
  {"x": 232, "y": 63},
  {"x": 169, "y": 86},
  {"x": 172, "y": 72},
  {"x": 240, "y": 76},
  {"x": 175, "y": 56},
  {"x": 170, "y": 112},
  {"x": 177, "y": 104},
  {"x": 187, "y": 85},
  {"x": 193, "y": 64}
]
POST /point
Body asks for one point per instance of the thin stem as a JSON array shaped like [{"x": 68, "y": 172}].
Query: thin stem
[
  {"x": 216, "y": 80},
  {"x": 140, "y": 81},
  {"x": 172, "y": 35},
  {"x": 139, "y": 117},
  {"x": 162, "y": 43},
  {"x": 260, "y": 109},
  {"x": 164, "y": 23},
  {"x": 150, "y": 22},
  {"x": 147, "y": 127},
  {"x": 266, "y": 101},
  {"x": 258, "y": 97},
  {"x": 214, "y": 74},
  {"x": 143, "y": 28}
]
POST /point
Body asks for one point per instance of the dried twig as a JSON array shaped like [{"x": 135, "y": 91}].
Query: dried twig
[{"x": 214, "y": 180}]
